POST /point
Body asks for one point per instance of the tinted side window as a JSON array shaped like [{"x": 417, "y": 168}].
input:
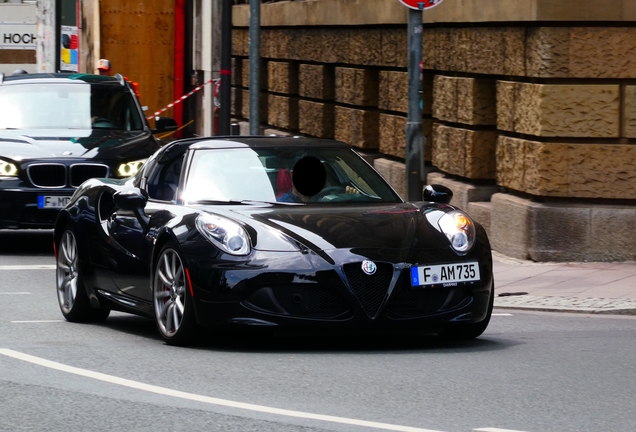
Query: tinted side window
[
  {"x": 164, "y": 182},
  {"x": 114, "y": 108}
]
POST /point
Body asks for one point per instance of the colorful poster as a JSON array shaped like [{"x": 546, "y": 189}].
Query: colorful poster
[{"x": 70, "y": 49}]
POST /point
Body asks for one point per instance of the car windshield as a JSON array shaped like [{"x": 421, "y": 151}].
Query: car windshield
[
  {"x": 284, "y": 175},
  {"x": 67, "y": 106}
]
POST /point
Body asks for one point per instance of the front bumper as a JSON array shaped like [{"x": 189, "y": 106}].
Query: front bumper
[
  {"x": 19, "y": 208},
  {"x": 317, "y": 295}
]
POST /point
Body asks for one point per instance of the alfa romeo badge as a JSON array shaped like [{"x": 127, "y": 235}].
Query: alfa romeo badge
[{"x": 369, "y": 267}]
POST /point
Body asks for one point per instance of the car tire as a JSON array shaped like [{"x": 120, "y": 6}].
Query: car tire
[
  {"x": 470, "y": 331},
  {"x": 71, "y": 291},
  {"x": 172, "y": 299}
]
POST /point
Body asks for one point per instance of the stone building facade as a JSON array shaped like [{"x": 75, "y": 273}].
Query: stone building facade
[{"x": 529, "y": 107}]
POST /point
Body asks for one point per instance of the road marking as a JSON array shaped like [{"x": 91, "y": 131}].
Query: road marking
[
  {"x": 501, "y": 314},
  {"x": 29, "y": 267},
  {"x": 36, "y": 321},
  {"x": 494, "y": 430},
  {"x": 15, "y": 293},
  {"x": 205, "y": 399}
]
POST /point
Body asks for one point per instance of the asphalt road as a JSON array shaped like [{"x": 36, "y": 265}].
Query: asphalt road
[{"x": 528, "y": 372}]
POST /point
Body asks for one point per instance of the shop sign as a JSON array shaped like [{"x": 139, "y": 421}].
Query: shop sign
[{"x": 18, "y": 36}]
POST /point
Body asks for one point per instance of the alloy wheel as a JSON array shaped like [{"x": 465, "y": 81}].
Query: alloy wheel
[
  {"x": 169, "y": 293},
  {"x": 67, "y": 272}
]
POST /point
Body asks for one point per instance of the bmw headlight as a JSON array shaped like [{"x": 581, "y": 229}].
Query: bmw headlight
[
  {"x": 459, "y": 230},
  {"x": 129, "y": 169},
  {"x": 8, "y": 169},
  {"x": 224, "y": 233}
]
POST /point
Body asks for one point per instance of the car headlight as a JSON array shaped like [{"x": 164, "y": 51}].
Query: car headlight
[
  {"x": 459, "y": 230},
  {"x": 129, "y": 169},
  {"x": 224, "y": 233},
  {"x": 8, "y": 169}
]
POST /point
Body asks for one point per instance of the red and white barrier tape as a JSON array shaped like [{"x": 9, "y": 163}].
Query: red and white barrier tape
[{"x": 182, "y": 98}]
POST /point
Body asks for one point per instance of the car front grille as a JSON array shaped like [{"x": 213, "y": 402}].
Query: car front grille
[
  {"x": 312, "y": 301},
  {"x": 47, "y": 175},
  {"x": 409, "y": 302},
  {"x": 369, "y": 289},
  {"x": 82, "y": 172},
  {"x": 300, "y": 300}
]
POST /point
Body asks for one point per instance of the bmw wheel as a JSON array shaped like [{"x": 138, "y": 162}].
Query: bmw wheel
[
  {"x": 174, "y": 312},
  {"x": 71, "y": 293}
]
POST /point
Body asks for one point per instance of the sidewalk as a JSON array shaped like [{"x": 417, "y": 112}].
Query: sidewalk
[{"x": 601, "y": 288}]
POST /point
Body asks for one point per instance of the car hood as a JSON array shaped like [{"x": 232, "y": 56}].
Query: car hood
[
  {"x": 362, "y": 227},
  {"x": 105, "y": 144}
]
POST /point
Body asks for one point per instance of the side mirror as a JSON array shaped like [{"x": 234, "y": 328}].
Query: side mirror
[
  {"x": 165, "y": 124},
  {"x": 134, "y": 201},
  {"x": 437, "y": 193},
  {"x": 130, "y": 200}
]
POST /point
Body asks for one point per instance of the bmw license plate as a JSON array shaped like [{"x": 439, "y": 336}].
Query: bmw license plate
[
  {"x": 53, "y": 202},
  {"x": 445, "y": 274}
]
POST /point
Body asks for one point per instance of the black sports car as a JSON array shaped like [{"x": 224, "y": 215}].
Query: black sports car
[
  {"x": 58, "y": 130},
  {"x": 271, "y": 232}
]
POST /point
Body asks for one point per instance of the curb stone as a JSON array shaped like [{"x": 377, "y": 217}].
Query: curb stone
[{"x": 568, "y": 304}]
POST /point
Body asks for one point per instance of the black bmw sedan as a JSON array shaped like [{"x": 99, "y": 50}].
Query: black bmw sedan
[
  {"x": 270, "y": 232},
  {"x": 58, "y": 130}
]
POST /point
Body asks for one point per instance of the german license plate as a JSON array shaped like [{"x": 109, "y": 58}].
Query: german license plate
[
  {"x": 444, "y": 274},
  {"x": 53, "y": 202}
]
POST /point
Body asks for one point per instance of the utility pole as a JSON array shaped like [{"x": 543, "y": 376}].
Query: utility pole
[
  {"x": 414, "y": 128},
  {"x": 255, "y": 61},
  {"x": 226, "y": 67}
]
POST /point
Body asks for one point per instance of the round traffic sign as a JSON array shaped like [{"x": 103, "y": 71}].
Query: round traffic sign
[{"x": 421, "y": 4}]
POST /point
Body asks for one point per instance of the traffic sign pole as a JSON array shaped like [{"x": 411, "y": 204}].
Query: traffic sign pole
[
  {"x": 255, "y": 61},
  {"x": 226, "y": 67},
  {"x": 414, "y": 129}
]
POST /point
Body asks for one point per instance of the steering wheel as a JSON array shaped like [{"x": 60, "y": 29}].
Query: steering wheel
[
  {"x": 102, "y": 122},
  {"x": 327, "y": 191}
]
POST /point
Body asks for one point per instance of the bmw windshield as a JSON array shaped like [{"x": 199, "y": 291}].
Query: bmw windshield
[
  {"x": 284, "y": 175},
  {"x": 67, "y": 106}
]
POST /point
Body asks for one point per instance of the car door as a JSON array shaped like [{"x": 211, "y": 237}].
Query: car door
[{"x": 129, "y": 241}]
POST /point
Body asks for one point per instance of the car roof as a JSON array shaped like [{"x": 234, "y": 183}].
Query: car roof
[
  {"x": 52, "y": 78},
  {"x": 222, "y": 142},
  {"x": 179, "y": 147}
]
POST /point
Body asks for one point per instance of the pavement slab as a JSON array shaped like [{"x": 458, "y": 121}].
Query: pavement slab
[{"x": 597, "y": 287}]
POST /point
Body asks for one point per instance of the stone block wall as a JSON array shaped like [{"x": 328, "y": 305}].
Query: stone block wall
[
  {"x": 464, "y": 152},
  {"x": 316, "y": 81},
  {"x": 357, "y": 127},
  {"x": 564, "y": 122},
  {"x": 316, "y": 118},
  {"x": 282, "y": 77},
  {"x": 355, "y": 86},
  {"x": 348, "y": 83},
  {"x": 556, "y": 126},
  {"x": 559, "y": 110},
  {"x": 578, "y": 170},
  {"x": 282, "y": 111},
  {"x": 464, "y": 135}
]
